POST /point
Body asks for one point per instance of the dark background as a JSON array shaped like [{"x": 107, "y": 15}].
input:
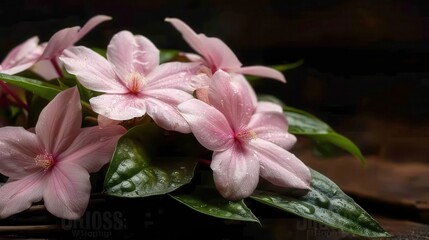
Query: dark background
[{"x": 365, "y": 69}]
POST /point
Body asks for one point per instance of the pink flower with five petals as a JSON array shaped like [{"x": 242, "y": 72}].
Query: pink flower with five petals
[
  {"x": 247, "y": 140},
  {"x": 217, "y": 55},
  {"x": 47, "y": 65},
  {"x": 53, "y": 163},
  {"x": 133, "y": 82}
]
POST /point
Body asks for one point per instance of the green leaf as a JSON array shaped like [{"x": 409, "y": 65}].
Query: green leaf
[
  {"x": 341, "y": 142},
  {"x": 304, "y": 123},
  {"x": 288, "y": 66},
  {"x": 137, "y": 171},
  {"x": 301, "y": 123},
  {"x": 166, "y": 55},
  {"x": 40, "y": 88},
  {"x": 85, "y": 94},
  {"x": 35, "y": 107},
  {"x": 208, "y": 201},
  {"x": 327, "y": 204}
]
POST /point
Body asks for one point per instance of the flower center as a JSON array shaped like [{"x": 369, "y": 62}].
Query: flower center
[
  {"x": 245, "y": 135},
  {"x": 44, "y": 161},
  {"x": 135, "y": 82}
]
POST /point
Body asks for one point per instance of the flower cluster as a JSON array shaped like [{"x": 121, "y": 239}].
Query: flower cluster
[
  {"x": 207, "y": 96},
  {"x": 143, "y": 122}
]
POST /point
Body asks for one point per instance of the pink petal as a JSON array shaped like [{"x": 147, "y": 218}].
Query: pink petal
[
  {"x": 106, "y": 122},
  {"x": 93, "y": 147},
  {"x": 264, "y": 106},
  {"x": 221, "y": 56},
  {"x": 18, "y": 148},
  {"x": 21, "y": 57},
  {"x": 16, "y": 69},
  {"x": 92, "y": 70},
  {"x": 213, "y": 50},
  {"x": 231, "y": 98},
  {"x": 176, "y": 75},
  {"x": 166, "y": 115},
  {"x": 60, "y": 121},
  {"x": 272, "y": 127},
  {"x": 45, "y": 69},
  {"x": 241, "y": 81},
  {"x": 235, "y": 173},
  {"x": 119, "y": 106},
  {"x": 129, "y": 53},
  {"x": 67, "y": 37},
  {"x": 281, "y": 167},
  {"x": 207, "y": 124},
  {"x": 59, "y": 41},
  {"x": 17, "y": 196},
  {"x": 190, "y": 36},
  {"x": 67, "y": 191},
  {"x": 169, "y": 96},
  {"x": 193, "y": 57},
  {"x": 261, "y": 71},
  {"x": 93, "y": 22}
]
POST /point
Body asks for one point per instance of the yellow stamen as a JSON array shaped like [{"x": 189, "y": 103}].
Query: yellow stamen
[
  {"x": 44, "y": 161},
  {"x": 245, "y": 135}
]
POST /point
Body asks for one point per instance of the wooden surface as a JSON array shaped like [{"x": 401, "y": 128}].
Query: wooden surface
[
  {"x": 403, "y": 229},
  {"x": 396, "y": 193},
  {"x": 404, "y": 184}
]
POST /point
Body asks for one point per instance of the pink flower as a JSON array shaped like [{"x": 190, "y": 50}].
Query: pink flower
[
  {"x": 247, "y": 140},
  {"x": 21, "y": 57},
  {"x": 133, "y": 82},
  {"x": 53, "y": 163},
  {"x": 217, "y": 55},
  {"x": 48, "y": 66}
]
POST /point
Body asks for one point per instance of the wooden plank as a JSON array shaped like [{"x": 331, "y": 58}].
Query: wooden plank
[
  {"x": 404, "y": 184},
  {"x": 402, "y": 229},
  {"x": 298, "y": 229}
]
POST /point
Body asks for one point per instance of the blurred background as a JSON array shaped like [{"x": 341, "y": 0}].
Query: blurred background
[{"x": 364, "y": 71}]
